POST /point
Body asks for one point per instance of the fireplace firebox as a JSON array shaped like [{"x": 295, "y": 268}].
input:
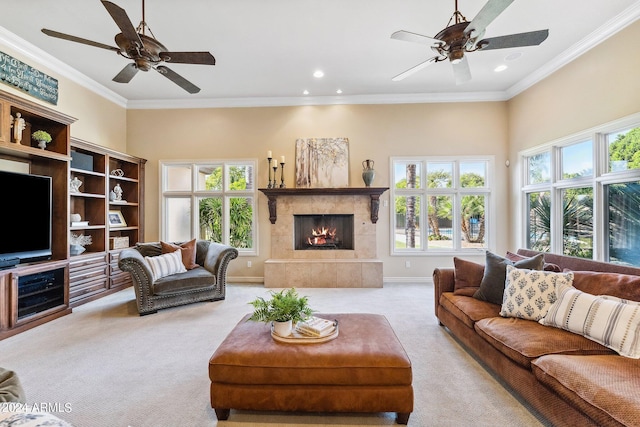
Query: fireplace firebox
[{"x": 323, "y": 232}]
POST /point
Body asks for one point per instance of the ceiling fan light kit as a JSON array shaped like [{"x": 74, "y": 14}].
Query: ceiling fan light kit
[
  {"x": 146, "y": 52},
  {"x": 464, "y": 37}
]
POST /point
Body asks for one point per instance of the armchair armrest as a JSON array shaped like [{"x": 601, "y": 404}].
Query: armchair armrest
[
  {"x": 132, "y": 261},
  {"x": 443, "y": 281},
  {"x": 217, "y": 260}
]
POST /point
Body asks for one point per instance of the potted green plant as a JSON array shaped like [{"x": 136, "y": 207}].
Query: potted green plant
[
  {"x": 42, "y": 137},
  {"x": 283, "y": 309}
]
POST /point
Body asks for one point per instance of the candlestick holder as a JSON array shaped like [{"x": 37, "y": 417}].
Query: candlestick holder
[
  {"x": 282, "y": 176},
  {"x": 269, "y": 169},
  {"x": 275, "y": 168}
]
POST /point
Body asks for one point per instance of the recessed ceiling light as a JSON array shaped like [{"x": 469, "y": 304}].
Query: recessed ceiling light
[
  {"x": 306, "y": 92},
  {"x": 513, "y": 56},
  {"x": 318, "y": 74},
  {"x": 339, "y": 91},
  {"x": 500, "y": 68}
]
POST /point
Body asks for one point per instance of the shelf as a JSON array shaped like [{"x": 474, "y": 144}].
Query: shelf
[
  {"x": 86, "y": 172},
  {"x": 81, "y": 194},
  {"x": 373, "y": 192}
]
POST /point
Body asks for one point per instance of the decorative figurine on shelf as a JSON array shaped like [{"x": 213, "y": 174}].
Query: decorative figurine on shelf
[
  {"x": 117, "y": 172},
  {"x": 74, "y": 185},
  {"x": 77, "y": 243},
  {"x": 117, "y": 193},
  {"x": 18, "y": 126}
]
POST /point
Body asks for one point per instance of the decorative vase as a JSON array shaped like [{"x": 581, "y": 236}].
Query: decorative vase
[
  {"x": 368, "y": 173},
  {"x": 42, "y": 144},
  {"x": 283, "y": 329}
]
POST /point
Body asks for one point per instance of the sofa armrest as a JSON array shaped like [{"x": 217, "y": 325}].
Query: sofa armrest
[
  {"x": 443, "y": 281},
  {"x": 217, "y": 260}
]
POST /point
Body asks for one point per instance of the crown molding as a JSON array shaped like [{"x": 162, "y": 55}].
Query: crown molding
[
  {"x": 38, "y": 55},
  {"x": 413, "y": 98},
  {"x": 608, "y": 29}
]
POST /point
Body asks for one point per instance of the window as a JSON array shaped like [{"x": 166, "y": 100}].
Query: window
[
  {"x": 589, "y": 209},
  {"x": 440, "y": 204},
  {"x": 213, "y": 200}
]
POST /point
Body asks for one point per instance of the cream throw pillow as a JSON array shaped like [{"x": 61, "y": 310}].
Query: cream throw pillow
[
  {"x": 610, "y": 321},
  {"x": 166, "y": 265},
  {"x": 528, "y": 294}
]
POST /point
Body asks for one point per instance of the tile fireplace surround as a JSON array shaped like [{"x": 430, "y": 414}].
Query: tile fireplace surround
[{"x": 337, "y": 268}]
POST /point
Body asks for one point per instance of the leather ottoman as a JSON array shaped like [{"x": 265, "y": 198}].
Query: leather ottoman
[{"x": 364, "y": 369}]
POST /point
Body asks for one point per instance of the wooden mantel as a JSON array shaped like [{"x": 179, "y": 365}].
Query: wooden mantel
[{"x": 373, "y": 192}]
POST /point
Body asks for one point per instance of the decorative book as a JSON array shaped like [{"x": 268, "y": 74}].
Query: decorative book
[{"x": 316, "y": 327}]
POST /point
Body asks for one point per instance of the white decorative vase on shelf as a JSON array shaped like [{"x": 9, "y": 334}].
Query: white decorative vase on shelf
[{"x": 283, "y": 329}]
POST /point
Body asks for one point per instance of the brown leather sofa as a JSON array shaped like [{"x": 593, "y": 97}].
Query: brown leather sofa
[{"x": 567, "y": 378}]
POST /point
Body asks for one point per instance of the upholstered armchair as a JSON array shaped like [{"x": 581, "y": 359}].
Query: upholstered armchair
[{"x": 205, "y": 282}]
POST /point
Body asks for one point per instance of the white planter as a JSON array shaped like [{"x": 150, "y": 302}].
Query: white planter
[{"x": 283, "y": 329}]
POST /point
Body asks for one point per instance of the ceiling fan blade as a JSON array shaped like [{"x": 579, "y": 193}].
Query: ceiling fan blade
[
  {"x": 415, "y": 38},
  {"x": 487, "y": 14},
  {"x": 204, "y": 58},
  {"x": 177, "y": 79},
  {"x": 123, "y": 22},
  {"x": 414, "y": 69},
  {"x": 127, "y": 73},
  {"x": 532, "y": 38},
  {"x": 79, "y": 40},
  {"x": 461, "y": 71}
]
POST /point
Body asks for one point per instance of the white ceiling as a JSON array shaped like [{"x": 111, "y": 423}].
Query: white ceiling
[{"x": 266, "y": 51}]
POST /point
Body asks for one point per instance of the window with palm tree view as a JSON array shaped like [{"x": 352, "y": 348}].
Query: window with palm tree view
[
  {"x": 211, "y": 201},
  {"x": 583, "y": 196},
  {"x": 440, "y": 204}
]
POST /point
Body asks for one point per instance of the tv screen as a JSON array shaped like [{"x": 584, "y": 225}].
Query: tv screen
[{"x": 25, "y": 217}]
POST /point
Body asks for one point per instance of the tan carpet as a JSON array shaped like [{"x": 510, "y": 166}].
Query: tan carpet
[{"x": 114, "y": 368}]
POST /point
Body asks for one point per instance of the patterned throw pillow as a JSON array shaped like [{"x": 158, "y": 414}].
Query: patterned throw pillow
[
  {"x": 608, "y": 320},
  {"x": 528, "y": 294},
  {"x": 166, "y": 265}
]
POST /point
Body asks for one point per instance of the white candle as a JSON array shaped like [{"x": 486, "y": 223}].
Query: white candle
[
  {"x": 281, "y": 159},
  {"x": 274, "y": 162},
  {"x": 269, "y": 154}
]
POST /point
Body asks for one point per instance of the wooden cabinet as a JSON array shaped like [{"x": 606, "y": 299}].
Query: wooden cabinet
[
  {"x": 109, "y": 220},
  {"x": 35, "y": 293}
]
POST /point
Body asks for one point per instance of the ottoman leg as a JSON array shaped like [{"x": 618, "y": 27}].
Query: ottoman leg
[
  {"x": 222, "y": 414},
  {"x": 401, "y": 417}
]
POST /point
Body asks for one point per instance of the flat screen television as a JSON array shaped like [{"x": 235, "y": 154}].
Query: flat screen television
[{"x": 25, "y": 218}]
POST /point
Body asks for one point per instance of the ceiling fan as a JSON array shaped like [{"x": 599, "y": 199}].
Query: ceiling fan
[
  {"x": 462, "y": 37},
  {"x": 146, "y": 51}
]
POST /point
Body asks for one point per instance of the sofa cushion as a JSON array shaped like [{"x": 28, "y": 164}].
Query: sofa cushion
[
  {"x": 547, "y": 266},
  {"x": 524, "y": 340},
  {"x": 468, "y": 276},
  {"x": 528, "y": 294},
  {"x": 624, "y": 286},
  {"x": 607, "y": 388},
  {"x": 467, "y": 309},
  {"x": 495, "y": 273},
  {"x": 608, "y": 320},
  {"x": 188, "y": 252},
  {"x": 166, "y": 265},
  {"x": 196, "y": 278}
]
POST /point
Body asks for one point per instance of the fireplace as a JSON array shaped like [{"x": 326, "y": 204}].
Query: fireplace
[{"x": 323, "y": 232}]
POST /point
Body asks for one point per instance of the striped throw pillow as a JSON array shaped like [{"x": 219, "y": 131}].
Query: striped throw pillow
[
  {"x": 608, "y": 320},
  {"x": 166, "y": 265}
]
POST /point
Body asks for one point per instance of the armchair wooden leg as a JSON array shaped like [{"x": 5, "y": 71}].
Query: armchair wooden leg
[{"x": 402, "y": 417}]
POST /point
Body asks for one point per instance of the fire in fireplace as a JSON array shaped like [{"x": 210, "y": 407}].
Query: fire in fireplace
[{"x": 324, "y": 231}]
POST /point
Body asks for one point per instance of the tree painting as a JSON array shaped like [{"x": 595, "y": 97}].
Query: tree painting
[{"x": 322, "y": 162}]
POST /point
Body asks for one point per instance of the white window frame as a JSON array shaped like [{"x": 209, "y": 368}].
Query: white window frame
[
  {"x": 600, "y": 178},
  {"x": 456, "y": 192},
  {"x": 194, "y": 195}
]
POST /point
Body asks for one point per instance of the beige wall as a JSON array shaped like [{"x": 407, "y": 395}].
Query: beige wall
[
  {"x": 600, "y": 86},
  {"x": 375, "y": 132},
  {"x": 99, "y": 120}
]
